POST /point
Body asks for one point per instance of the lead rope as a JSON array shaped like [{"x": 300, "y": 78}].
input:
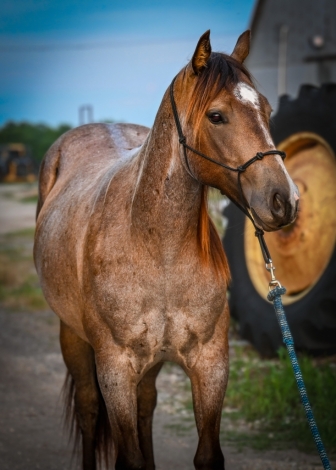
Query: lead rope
[{"x": 276, "y": 290}]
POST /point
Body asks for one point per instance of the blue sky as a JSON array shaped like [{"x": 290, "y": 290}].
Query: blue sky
[{"x": 118, "y": 56}]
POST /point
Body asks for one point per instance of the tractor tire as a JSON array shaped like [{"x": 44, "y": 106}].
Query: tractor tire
[{"x": 304, "y": 253}]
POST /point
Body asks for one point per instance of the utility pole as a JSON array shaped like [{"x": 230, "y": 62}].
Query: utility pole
[{"x": 85, "y": 114}]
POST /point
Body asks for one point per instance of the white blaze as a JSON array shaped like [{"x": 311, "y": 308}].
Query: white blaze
[{"x": 247, "y": 95}]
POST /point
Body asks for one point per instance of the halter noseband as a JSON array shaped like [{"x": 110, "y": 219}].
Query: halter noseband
[{"x": 239, "y": 169}]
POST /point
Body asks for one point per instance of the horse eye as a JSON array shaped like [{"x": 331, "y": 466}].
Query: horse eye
[{"x": 216, "y": 118}]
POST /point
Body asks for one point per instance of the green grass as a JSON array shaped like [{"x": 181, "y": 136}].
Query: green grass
[
  {"x": 29, "y": 199},
  {"x": 264, "y": 395},
  {"x": 19, "y": 285}
]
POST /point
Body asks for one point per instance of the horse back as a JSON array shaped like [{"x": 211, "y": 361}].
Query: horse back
[{"x": 86, "y": 151}]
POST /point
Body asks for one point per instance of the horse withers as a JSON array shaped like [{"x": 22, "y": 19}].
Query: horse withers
[{"x": 130, "y": 261}]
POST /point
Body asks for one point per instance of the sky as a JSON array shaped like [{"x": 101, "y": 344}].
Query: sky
[{"x": 117, "y": 56}]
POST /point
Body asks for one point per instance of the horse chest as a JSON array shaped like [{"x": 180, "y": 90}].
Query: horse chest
[{"x": 165, "y": 312}]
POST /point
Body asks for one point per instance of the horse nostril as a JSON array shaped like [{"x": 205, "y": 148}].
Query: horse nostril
[
  {"x": 278, "y": 205},
  {"x": 277, "y": 202}
]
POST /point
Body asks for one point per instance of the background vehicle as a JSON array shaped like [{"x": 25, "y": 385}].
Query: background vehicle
[{"x": 16, "y": 163}]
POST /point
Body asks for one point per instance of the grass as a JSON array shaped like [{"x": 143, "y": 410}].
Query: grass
[
  {"x": 19, "y": 285},
  {"x": 30, "y": 199},
  {"x": 263, "y": 399}
]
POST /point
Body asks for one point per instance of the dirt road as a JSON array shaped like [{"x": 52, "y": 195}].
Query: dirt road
[{"x": 15, "y": 212}]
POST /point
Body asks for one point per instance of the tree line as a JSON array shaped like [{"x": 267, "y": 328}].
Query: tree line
[{"x": 37, "y": 137}]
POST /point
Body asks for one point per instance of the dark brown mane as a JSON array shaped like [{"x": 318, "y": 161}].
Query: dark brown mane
[
  {"x": 222, "y": 71},
  {"x": 209, "y": 241}
]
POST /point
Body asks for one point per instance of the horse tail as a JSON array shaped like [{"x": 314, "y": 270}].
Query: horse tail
[
  {"x": 48, "y": 174},
  {"x": 103, "y": 435},
  {"x": 69, "y": 413}
]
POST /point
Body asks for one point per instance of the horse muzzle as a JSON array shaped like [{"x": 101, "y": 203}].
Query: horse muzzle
[{"x": 276, "y": 211}]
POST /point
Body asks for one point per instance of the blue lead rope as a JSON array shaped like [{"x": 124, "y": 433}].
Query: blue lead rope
[{"x": 275, "y": 297}]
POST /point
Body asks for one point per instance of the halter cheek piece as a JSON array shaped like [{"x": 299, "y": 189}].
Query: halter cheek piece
[{"x": 240, "y": 169}]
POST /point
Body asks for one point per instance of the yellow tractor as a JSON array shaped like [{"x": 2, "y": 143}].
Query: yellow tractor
[{"x": 16, "y": 164}]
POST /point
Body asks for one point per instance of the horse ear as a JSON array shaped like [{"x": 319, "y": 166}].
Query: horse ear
[
  {"x": 202, "y": 53},
  {"x": 242, "y": 48}
]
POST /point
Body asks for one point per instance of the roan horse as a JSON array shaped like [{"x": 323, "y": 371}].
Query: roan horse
[{"x": 130, "y": 261}]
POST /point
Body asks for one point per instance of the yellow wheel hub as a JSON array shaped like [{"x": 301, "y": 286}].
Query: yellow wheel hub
[{"x": 301, "y": 251}]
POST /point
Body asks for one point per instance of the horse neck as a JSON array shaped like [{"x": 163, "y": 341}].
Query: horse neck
[{"x": 167, "y": 200}]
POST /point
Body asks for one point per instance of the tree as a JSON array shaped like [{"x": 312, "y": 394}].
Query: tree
[{"x": 38, "y": 137}]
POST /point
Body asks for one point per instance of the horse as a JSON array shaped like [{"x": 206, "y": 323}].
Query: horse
[{"x": 130, "y": 261}]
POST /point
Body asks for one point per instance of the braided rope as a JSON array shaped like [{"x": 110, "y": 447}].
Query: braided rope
[{"x": 275, "y": 297}]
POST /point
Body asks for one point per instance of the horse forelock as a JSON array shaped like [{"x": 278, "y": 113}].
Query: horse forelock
[{"x": 222, "y": 72}]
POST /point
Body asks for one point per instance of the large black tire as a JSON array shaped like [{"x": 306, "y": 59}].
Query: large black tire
[
  {"x": 313, "y": 111},
  {"x": 312, "y": 319}
]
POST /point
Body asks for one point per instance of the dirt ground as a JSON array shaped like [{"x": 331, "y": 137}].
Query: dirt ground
[
  {"x": 14, "y": 213},
  {"x": 32, "y": 373}
]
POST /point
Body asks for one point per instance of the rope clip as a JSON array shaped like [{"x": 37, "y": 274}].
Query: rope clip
[{"x": 274, "y": 282}]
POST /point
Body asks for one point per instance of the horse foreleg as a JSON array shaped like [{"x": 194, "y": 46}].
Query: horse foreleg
[
  {"x": 118, "y": 384},
  {"x": 146, "y": 404},
  {"x": 208, "y": 381},
  {"x": 79, "y": 359}
]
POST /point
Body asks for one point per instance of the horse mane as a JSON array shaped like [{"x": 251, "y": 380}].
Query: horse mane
[
  {"x": 222, "y": 71},
  {"x": 209, "y": 241}
]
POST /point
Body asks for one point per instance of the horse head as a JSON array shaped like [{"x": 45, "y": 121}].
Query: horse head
[{"x": 225, "y": 124}]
